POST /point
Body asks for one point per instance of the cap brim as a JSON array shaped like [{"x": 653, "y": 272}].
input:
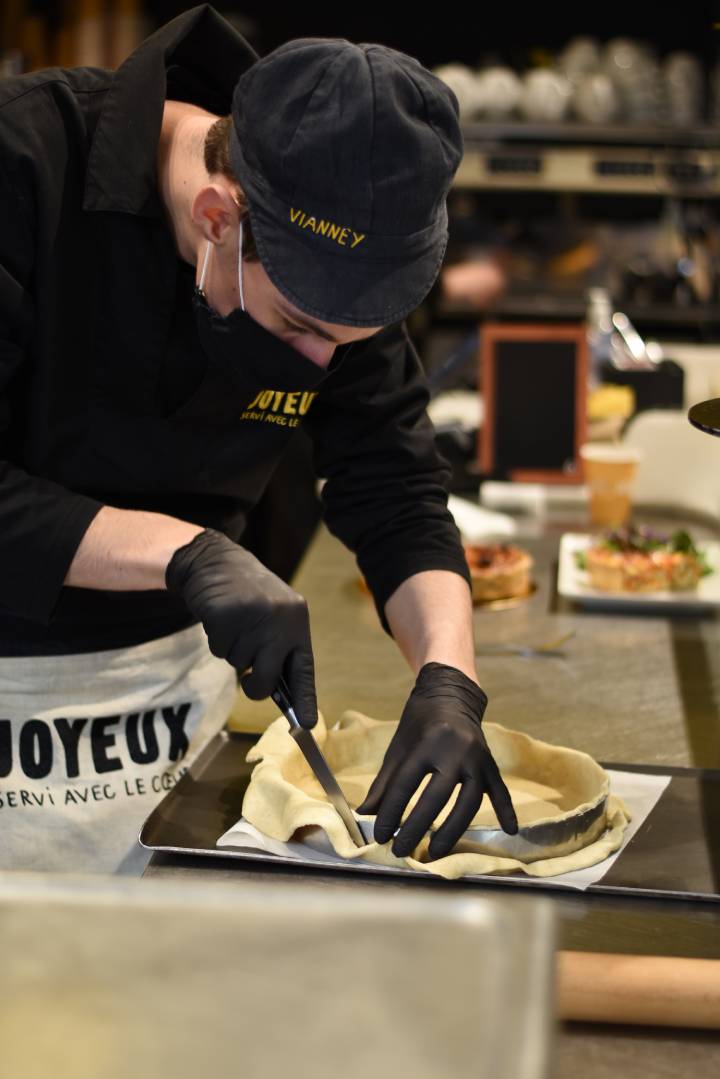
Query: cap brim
[{"x": 332, "y": 287}]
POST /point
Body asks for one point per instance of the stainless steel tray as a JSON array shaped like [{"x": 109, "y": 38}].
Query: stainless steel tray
[
  {"x": 187, "y": 979},
  {"x": 686, "y": 821}
]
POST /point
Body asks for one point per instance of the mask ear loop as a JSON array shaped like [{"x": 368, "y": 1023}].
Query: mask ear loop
[
  {"x": 203, "y": 271},
  {"x": 240, "y": 256},
  {"x": 201, "y": 283}
]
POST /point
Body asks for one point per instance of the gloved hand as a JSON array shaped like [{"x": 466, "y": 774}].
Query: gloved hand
[
  {"x": 439, "y": 732},
  {"x": 251, "y": 617}
]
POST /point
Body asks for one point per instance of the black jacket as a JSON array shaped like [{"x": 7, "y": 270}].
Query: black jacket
[{"x": 106, "y": 396}]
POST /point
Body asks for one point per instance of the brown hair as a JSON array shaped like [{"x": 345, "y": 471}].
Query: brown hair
[{"x": 217, "y": 161}]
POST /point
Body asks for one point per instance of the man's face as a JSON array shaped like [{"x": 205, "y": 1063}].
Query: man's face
[{"x": 316, "y": 340}]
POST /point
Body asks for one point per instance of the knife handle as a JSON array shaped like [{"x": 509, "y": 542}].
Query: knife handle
[{"x": 281, "y": 697}]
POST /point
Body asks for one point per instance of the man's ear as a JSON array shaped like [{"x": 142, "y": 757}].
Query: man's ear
[{"x": 215, "y": 212}]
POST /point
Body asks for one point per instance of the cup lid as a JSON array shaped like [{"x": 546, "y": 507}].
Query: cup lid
[{"x": 611, "y": 452}]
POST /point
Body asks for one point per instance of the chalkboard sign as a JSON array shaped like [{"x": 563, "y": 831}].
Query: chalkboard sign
[{"x": 533, "y": 380}]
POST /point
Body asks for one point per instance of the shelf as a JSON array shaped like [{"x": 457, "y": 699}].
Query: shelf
[
  {"x": 573, "y": 309},
  {"x": 582, "y": 159},
  {"x": 482, "y": 133}
]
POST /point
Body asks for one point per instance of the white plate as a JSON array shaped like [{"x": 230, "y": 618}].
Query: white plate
[{"x": 573, "y": 582}]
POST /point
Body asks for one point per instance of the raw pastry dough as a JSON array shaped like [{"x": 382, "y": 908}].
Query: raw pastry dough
[{"x": 545, "y": 781}]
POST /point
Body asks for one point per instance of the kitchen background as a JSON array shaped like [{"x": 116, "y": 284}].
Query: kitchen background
[{"x": 588, "y": 193}]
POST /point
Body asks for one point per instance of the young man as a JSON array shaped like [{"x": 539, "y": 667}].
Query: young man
[{"x": 151, "y": 378}]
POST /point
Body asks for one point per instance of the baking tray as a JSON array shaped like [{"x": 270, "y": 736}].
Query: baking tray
[{"x": 675, "y": 853}]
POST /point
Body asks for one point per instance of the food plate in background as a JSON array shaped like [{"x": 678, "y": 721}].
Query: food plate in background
[{"x": 573, "y": 582}]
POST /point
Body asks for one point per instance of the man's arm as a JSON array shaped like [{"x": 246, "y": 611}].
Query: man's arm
[
  {"x": 128, "y": 550},
  {"x": 440, "y": 730},
  {"x": 385, "y": 494},
  {"x": 251, "y": 617},
  {"x": 386, "y": 498},
  {"x": 430, "y": 616},
  {"x": 41, "y": 522}
]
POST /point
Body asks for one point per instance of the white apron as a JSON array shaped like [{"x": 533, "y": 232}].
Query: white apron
[{"x": 91, "y": 742}]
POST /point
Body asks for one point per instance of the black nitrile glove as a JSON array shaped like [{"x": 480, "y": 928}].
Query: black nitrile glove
[
  {"x": 439, "y": 732},
  {"x": 251, "y": 617}
]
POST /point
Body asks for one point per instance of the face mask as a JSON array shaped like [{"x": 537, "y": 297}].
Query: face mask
[{"x": 248, "y": 352}]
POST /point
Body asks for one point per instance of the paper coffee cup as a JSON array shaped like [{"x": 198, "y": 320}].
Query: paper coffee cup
[{"x": 610, "y": 470}]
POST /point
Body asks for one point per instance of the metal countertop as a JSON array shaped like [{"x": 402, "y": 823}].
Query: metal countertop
[{"x": 634, "y": 688}]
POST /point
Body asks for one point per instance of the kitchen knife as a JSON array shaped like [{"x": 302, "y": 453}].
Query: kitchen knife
[{"x": 311, "y": 751}]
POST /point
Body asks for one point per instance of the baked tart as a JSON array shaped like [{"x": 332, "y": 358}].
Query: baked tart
[
  {"x": 498, "y": 571},
  {"x": 638, "y": 559}
]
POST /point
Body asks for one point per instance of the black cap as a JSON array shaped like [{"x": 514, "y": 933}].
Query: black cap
[{"x": 346, "y": 154}]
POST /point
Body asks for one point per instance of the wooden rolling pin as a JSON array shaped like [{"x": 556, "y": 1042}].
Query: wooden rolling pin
[{"x": 644, "y": 989}]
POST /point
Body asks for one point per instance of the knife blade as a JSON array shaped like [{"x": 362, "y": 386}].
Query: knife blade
[{"x": 320, "y": 767}]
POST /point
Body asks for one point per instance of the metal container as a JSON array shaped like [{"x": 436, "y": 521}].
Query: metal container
[
  {"x": 544, "y": 839},
  {"x": 112, "y": 976}
]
